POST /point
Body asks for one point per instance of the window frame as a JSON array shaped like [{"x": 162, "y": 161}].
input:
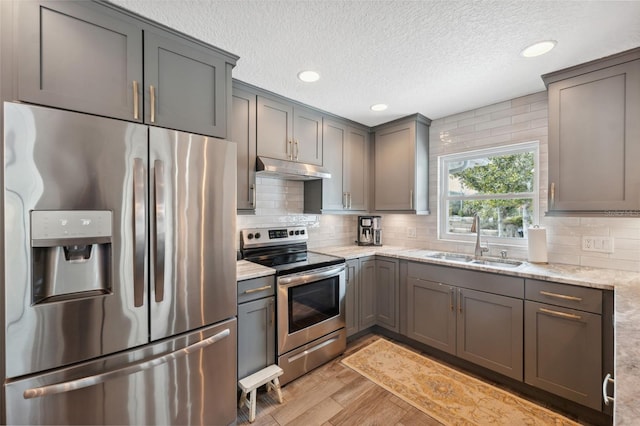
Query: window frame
[{"x": 443, "y": 190}]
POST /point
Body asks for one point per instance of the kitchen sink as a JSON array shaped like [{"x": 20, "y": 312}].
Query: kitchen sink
[{"x": 464, "y": 258}]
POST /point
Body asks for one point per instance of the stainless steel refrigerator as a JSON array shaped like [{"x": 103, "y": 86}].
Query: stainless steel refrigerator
[{"x": 120, "y": 272}]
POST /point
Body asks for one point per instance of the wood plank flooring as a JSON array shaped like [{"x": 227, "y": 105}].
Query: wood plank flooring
[{"x": 334, "y": 395}]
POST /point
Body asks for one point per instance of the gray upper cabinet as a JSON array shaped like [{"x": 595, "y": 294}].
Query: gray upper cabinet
[
  {"x": 243, "y": 133},
  {"x": 185, "y": 84},
  {"x": 594, "y": 136},
  {"x": 289, "y": 133},
  {"x": 102, "y": 58},
  {"x": 346, "y": 154},
  {"x": 401, "y": 165}
]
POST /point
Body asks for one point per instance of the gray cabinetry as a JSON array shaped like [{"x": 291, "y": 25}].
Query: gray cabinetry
[
  {"x": 594, "y": 136},
  {"x": 563, "y": 341},
  {"x": 88, "y": 57},
  {"x": 367, "y": 293},
  {"x": 78, "y": 56},
  {"x": 401, "y": 165},
  {"x": 476, "y": 316},
  {"x": 387, "y": 293},
  {"x": 256, "y": 325},
  {"x": 243, "y": 133},
  {"x": 352, "y": 311},
  {"x": 346, "y": 153},
  {"x": 289, "y": 133},
  {"x": 186, "y": 86}
]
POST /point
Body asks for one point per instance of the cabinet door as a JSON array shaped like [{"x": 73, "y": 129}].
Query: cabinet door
[
  {"x": 307, "y": 134},
  {"x": 79, "y": 56},
  {"x": 490, "y": 331},
  {"x": 334, "y": 139},
  {"x": 431, "y": 314},
  {"x": 564, "y": 352},
  {"x": 256, "y": 336},
  {"x": 275, "y": 129},
  {"x": 395, "y": 167},
  {"x": 594, "y": 135},
  {"x": 243, "y": 133},
  {"x": 189, "y": 86},
  {"x": 351, "y": 296},
  {"x": 356, "y": 159},
  {"x": 387, "y": 294},
  {"x": 367, "y": 293}
]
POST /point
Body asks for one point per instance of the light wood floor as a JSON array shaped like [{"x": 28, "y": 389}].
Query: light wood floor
[{"x": 333, "y": 395}]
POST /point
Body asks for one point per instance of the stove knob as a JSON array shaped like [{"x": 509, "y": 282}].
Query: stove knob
[
  {"x": 250, "y": 236},
  {"x": 257, "y": 235},
  {"x": 302, "y": 232},
  {"x": 297, "y": 232},
  {"x": 290, "y": 232}
]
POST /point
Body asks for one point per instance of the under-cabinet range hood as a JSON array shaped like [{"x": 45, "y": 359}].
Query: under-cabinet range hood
[{"x": 290, "y": 170}]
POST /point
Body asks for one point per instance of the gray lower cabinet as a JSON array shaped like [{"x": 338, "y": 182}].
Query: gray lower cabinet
[
  {"x": 401, "y": 158},
  {"x": 447, "y": 310},
  {"x": 594, "y": 136},
  {"x": 351, "y": 306},
  {"x": 367, "y": 293},
  {"x": 256, "y": 325},
  {"x": 387, "y": 294},
  {"x": 563, "y": 341},
  {"x": 185, "y": 84},
  {"x": 289, "y": 133},
  {"x": 243, "y": 133}
]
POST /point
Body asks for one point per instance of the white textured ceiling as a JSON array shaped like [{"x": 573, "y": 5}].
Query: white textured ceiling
[{"x": 433, "y": 57}]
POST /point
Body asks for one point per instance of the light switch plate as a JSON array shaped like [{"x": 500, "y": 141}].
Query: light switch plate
[
  {"x": 599, "y": 244},
  {"x": 411, "y": 232}
]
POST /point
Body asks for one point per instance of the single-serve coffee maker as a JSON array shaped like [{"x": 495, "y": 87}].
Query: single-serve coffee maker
[{"x": 369, "y": 230}]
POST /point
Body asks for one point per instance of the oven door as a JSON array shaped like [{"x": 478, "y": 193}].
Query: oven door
[{"x": 310, "y": 305}]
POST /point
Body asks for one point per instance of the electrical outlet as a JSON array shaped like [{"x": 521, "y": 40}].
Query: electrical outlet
[
  {"x": 599, "y": 244},
  {"x": 411, "y": 232}
]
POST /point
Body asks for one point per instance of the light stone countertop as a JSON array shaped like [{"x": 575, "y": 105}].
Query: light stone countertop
[
  {"x": 247, "y": 270},
  {"x": 626, "y": 287}
]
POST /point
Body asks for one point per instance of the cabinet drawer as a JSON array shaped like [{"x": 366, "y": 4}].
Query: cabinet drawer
[
  {"x": 568, "y": 296},
  {"x": 256, "y": 288}
]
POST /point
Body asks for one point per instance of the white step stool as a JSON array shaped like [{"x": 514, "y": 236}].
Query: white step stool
[{"x": 269, "y": 376}]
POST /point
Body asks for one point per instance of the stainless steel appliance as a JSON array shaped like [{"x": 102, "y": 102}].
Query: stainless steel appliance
[
  {"x": 120, "y": 285},
  {"x": 369, "y": 231},
  {"x": 310, "y": 297}
]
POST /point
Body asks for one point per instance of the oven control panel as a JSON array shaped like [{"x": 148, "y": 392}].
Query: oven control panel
[{"x": 258, "y": 237}]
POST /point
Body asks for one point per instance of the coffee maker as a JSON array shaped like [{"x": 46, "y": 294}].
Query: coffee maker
[{"x": 369, "y": 231}]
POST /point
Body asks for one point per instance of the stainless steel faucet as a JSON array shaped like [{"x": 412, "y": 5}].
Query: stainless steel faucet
[{"x": 475, "y": 227}]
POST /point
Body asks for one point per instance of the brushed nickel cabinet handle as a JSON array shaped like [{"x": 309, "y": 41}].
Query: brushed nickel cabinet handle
[
  {"x": 349, "y": 194},
  {"x": 252, "y": 197},
  {"x": 297, "y": 146},
  {"x": 344, "y": 200},
  {"x": 152, "y": 94},
  {"x": 460, "y": 301},
  {"x": 560, "y": 314},
  {"x": 411, "y": 199},
  {"x": 272, "y": 313},
  {"x": 561, "y": 296},
  {"x": 607, "y": 399},
  {"x": 289, "y": 149},
  {"x": 553, "y": 194},
  {"x": 451, "y": 292},
  {"x": 136, "y": 107},
  {"x": 255, "y": 290}
]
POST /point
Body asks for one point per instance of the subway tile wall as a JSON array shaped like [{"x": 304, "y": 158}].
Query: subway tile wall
[{"x": 522, "y": 119}]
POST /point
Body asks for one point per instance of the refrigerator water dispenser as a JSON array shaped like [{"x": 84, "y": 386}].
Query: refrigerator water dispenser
[{"x": 71, "y": 254}]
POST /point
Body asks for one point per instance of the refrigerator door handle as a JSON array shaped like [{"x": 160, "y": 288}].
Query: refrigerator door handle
[
  {"x": 125, "y": 371},
  {"x": 160, "y": 214},
  {"x": 139, "y": 231}
]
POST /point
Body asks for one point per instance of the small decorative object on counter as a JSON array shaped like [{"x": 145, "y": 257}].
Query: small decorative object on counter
[{"x": 537, "y": 239}]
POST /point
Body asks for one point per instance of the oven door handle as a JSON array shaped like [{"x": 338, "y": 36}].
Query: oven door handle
[{"x": 313, "y": 276}]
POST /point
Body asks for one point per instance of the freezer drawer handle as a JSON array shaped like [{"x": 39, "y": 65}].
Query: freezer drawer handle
[
  {"x": 139, "y": 231},
  {"x": 312, "y": 349},
  {"x": 126, "y": 371},
  {"x": 160, "y": 229}
]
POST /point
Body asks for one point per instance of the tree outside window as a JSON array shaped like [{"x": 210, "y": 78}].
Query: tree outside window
[{"x": 498, "y": 184}]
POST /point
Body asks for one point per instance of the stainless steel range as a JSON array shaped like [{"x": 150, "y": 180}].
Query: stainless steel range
[{"x": 310, "y": 297}]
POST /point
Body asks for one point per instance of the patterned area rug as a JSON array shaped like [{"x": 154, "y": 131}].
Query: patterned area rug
[{"x": 451, "y": 397}]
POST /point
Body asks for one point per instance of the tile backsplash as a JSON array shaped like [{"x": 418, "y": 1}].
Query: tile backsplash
[{"x": 523, "y": 119}]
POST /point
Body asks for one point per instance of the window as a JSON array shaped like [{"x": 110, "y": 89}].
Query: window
[{"x": 498, "y": 184}]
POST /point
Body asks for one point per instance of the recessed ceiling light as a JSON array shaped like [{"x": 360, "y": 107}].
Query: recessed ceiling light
[
  {"x": 539, "y": 48},
  {"x": 308, "y": 76},
  {"x": 379, "y": 107}
]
